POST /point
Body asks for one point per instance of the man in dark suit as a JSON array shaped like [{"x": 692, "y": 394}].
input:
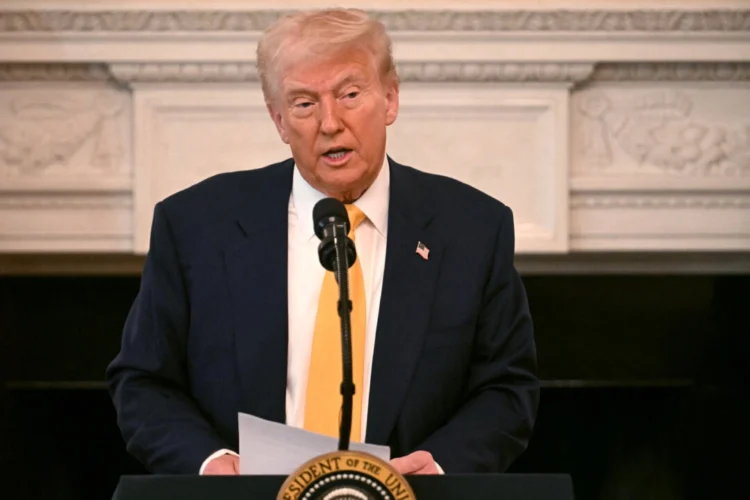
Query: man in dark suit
[{"x": 234, "y": 312}]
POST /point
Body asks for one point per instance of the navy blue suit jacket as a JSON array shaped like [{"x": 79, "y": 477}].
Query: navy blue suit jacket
[{"x": 454, "y": 368}]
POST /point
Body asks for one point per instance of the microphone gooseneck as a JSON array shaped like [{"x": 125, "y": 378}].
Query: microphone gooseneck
[{"x": 337, "y": 253}]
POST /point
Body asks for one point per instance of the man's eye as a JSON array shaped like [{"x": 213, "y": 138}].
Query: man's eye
[
  {"x": 352, "y": 95},
  {"x": 303, "y": 104}
]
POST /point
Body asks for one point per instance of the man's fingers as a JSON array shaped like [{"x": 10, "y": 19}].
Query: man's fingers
[
  {"x": 225, "y": 465},
  {"x": 416, "y": 462},
  {"x": 430, "y": 468},
  {"x": 404, "y": 465}
]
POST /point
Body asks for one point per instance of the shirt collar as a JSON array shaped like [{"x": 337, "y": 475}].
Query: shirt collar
[{"x": 373, "y": 203}]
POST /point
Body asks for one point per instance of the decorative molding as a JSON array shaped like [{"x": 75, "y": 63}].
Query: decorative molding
[
  {"x": 408, "y": 72},
  {"x": 642, "y": 201},
  {"x": 408, "y": 20},
  {"x": 54, "y": 72},
  {"x": 494, "y": 72},
  {"x": 657, "y": 129},
  {"x": 38, "y": 130},
  {"x": 568, "y": 20},
  {"x": 54, "y": 201},
  {"x": 184, "y": 73},
  {"x": 671, "y": 72}
]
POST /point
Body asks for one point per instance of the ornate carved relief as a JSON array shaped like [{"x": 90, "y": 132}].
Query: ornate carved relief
[
  {"x": 658, "y": 129},
  {"x": 42, "y": 128},
  {"x": 407, "y": 20}
]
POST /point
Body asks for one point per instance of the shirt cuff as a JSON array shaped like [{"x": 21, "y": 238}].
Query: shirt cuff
[
  {"x": 440, "y": 469},
  {"x": 216, "y": 455}
]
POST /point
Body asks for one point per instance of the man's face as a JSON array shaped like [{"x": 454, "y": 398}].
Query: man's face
[{"x": 333, "y": 113}]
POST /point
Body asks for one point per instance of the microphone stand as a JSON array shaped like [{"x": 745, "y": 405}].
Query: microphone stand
[
  {"x": 341, "y": 267},
  {"x": 336, "y": 253}
]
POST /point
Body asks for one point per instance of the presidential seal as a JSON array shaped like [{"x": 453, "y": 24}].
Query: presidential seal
[{"x": 346, "y": 475}]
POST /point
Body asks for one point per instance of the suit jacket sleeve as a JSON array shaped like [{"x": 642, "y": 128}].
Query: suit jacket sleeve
[
  {"x": 148, "y": 380},
  {"x": 493, "y": 426}
]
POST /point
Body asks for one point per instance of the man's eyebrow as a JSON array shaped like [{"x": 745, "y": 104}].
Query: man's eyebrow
[
  {"x": 295, "y": 89},
  {"x": 348, "y": 79}
]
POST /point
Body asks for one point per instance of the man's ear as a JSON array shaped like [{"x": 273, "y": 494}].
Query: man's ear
[
  {"x": 278, "y": 121},
  {"x": 391, "y": 102}
]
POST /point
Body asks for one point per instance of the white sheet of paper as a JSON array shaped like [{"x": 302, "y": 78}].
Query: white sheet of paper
[{"x": 276, "y": 449}]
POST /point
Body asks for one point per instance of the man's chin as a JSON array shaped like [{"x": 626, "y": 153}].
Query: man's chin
[
  {"x": 340, "y": 177},
  {"x": 346, "y": 190}
]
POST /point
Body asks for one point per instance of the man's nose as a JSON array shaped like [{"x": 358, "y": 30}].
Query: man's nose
[{"x": 330, "y": 120}]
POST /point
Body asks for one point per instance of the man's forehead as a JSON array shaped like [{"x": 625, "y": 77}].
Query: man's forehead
[{"x": 323, "y": 77}]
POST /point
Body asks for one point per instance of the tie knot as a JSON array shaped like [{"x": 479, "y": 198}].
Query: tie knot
[{"x": 356, "y": 216}]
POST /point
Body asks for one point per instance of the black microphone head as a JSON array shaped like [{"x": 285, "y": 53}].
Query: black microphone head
[{"x": 327, "y": 211}]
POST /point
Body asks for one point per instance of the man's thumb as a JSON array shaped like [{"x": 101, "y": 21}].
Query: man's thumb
[{"x": 414, "y": 461}]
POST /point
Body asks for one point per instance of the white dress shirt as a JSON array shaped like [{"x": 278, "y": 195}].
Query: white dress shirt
[
  {"x": 305, "y": 275},
  {"x": 306, "y": 280}
]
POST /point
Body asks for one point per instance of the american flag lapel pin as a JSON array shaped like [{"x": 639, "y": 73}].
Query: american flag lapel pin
[{"x": 422, "y": 250}]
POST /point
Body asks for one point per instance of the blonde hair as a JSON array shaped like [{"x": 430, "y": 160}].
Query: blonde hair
[{"x": 305, "y": 35}]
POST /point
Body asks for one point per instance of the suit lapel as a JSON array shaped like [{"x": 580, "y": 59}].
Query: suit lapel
[
  {"x": 256, "y": 266},
  {"x": 408, "y": 287}
]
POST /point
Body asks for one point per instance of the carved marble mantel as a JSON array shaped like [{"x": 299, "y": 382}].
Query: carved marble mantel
[{"x": 607, "y": 128}]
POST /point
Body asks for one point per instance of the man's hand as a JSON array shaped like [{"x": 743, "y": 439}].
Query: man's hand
[
  {"x": 225, "y": 465},
  {"x": 419, "y": 462}
]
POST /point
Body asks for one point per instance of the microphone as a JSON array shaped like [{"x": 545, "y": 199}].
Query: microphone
[
  {"x": 337, "y": 254},
  {"x": 331, "y": 221}
]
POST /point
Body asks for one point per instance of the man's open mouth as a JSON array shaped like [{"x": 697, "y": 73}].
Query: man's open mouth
[{"x": 337, "y": 153}]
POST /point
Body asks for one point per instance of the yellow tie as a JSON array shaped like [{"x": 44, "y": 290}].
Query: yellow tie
[{"x": 323, "y": 399}]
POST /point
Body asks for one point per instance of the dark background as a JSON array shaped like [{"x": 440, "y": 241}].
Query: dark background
[{"x": 645, "y": 384}]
